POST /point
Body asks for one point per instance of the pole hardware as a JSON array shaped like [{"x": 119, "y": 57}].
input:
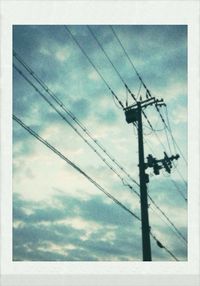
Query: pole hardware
[{"x": 157, "y": 165}]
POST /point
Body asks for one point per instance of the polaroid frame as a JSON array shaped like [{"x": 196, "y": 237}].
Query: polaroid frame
[{"x": 99, "y": 273}]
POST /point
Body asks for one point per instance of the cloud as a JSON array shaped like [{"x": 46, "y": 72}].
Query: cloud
[{"x": 180, "y": 116}]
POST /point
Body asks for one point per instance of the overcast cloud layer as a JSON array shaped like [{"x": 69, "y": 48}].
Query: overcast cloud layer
[{"x": 58, "y": 215}]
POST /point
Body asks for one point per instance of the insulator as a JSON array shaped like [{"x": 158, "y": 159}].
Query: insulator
[{"x": 166, "y": 166}]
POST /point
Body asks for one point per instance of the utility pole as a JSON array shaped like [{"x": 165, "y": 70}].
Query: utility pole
[
  {"x": 133, "y": 114},
  {"x": 146, "y": 245}
]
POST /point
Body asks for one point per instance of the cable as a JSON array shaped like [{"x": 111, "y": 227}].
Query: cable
[
  {"x": 91, "y": 62},
  {"x": 177, "y": 188},
  {"x": 163, "y": 220},
  {"x": 106, "y": 55},
  {"x": 173, "y": 139},
  {"x": 76, "y": 130},
  {"x": 115, "y": 96},
  {"x": 72, "y": 116},
  {"x": 164, "y": 247},
  {"x": 147, "y": 90},
  {"x": 176, "y": 229},
  {"x": 46, "y": 143},
  {"x": 170, "y": 131},
  {"x": 125, "y": 52}
]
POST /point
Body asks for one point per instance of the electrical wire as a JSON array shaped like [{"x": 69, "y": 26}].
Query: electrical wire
[
  {"x": 170, "y": 132},
  {"x": 125, "y": 183},
  {"x": 171, "y": 223},
  {"x": 153, "y": 209},
  {"x": 106, "y": 55},
  {"x": 77, "y": 168},
  {"x": 147, "y": 90},
  {"x": 47, "y": 89},
  {"x": 173, "y": 139},
  {"x": 46, "y": 143},
  {"x": 175, "y": 184},
  {"x": 130, "y": 61},
  {"x": 94, "y": 66},
  {"x": 72, "y": 116},
  {"x": 164, "y": 247},
  {"x": 91, "y": 62}
]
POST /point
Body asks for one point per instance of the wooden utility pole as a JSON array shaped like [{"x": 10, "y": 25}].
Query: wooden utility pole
[{"x": 146, "y": 245}]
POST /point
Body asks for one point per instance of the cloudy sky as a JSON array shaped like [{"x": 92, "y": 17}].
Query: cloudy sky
[{"x": 58, "y": 215}]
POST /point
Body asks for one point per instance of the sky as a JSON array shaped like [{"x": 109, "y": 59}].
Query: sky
[{"x": 58, "y": 215}]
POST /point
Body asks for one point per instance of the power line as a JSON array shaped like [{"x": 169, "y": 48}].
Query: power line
[
  {"x": 173, "y": 139},
  {"x": 130, "y": 61},
  {"x": 58, "y": 153},
  {"x": 175, "y": 228},
  {"x": 76, "y": 130},
  {"x": 106, "y": 55},
  {"x": 61, "y": 104},
  {"x": 170, "y": 132},
  {"x": 91, "y": 62},
  {"x": 177, "y": 188},
  {"x": 163, "y": 220},
  {"x": 72, "y": 116},
  {"x": 94, "y": 66},
  {"x": 164, "y": 247},
  {"x": 147, "y": 90},
  {"x": 46, "y": 143}
]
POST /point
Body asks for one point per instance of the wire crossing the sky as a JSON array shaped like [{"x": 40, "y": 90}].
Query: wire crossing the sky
[
  {"x": 60, "y": 103},
  {"x": 106, "y": 55},
  {"x": 44, "y": 97},
  {"x": 91, "y": 62},
  {"x": 46, "y": 143},
  {"x": 170, "y": 131},
  {"x": 124, "y": 181},
  {"x": 162, "y": 246},
  {"x": 118, "y": 73},
  {"x": 77, "y": 168},
  {"x": 148, "y": 93},
  {"x": 73, "y": 117},
  {"x": 175, "y": 228},
  {"x": 131, "y": 62}
]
